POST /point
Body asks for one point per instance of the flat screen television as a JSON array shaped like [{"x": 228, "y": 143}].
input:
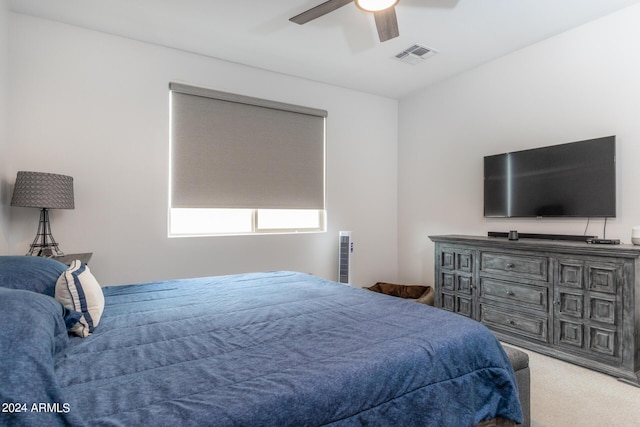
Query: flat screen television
[{"x": 567, "y": 180}]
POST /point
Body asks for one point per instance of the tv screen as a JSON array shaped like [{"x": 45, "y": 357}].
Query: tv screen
[{"x": 568, "y": 180}]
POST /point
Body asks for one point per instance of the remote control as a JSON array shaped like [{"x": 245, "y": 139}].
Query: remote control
[{"x": 604, "y": 241}]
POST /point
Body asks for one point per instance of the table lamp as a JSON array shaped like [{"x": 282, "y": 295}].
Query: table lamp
[{"x": 44, "y": 191}]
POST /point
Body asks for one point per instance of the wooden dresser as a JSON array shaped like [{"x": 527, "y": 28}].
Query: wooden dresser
[{"x": 571, "y": 300}]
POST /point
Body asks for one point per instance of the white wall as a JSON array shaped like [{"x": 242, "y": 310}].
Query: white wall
[
  {"x": 95, "y": 106},
  {"x": 579, "y": 85},
  {"x": 4, "y": 111}
]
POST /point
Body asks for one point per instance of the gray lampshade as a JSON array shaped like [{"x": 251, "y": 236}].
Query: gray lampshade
[{"x": 43, "y": 190}]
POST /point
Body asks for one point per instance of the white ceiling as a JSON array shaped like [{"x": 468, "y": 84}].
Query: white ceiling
[{"x": 340, "y": 48}]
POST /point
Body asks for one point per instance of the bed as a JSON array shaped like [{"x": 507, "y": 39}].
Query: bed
[{"x": 260, "y": 349}]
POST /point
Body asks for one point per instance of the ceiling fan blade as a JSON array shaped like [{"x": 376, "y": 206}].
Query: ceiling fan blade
[
  {"x": 387, "y": 24},
  {"x": 318, "y": 11}
]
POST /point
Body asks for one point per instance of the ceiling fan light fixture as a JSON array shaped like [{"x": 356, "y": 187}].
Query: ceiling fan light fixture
[{"x": 375, "y": 5}]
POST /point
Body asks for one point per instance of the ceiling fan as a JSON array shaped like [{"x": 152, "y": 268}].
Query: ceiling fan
[{"x": 384, "y": 13}]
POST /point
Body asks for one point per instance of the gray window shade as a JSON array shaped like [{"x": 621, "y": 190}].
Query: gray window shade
[{"x": 231, "y": 151}]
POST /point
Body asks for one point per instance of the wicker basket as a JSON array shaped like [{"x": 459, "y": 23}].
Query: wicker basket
[{"x": 418, "y": 293}]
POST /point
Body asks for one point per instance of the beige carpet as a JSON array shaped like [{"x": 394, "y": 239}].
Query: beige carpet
[{"x": 566, "y": 395}]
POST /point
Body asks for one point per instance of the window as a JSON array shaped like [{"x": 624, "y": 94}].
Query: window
[{"x": 244, "y": 165}]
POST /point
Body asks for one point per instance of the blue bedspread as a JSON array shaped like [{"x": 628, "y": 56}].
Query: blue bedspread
[{"x": 281, "y": 349}]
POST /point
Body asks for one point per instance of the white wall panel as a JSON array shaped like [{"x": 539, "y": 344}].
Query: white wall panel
[
  {"x": 4, "y": 113},
  {"x": 95, "y": 106},
  {"x": 579, "y": 85}
]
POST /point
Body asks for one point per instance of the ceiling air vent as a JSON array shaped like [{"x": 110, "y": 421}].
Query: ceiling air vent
[{"x": 415, "y": 54}]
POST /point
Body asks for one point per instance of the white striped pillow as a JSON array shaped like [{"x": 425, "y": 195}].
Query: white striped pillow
[{"x": 78, "y": 290}]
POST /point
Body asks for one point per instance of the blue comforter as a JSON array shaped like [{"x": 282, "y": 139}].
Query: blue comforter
[{"x": 280, "y": 349}]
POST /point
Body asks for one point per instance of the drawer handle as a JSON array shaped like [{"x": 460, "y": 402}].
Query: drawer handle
[{"x": 510, "y": 265}]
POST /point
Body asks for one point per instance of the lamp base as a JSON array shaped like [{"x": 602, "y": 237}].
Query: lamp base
[
  {"x": 48, "y": 252},
  {"x": 44, "y": 244}
]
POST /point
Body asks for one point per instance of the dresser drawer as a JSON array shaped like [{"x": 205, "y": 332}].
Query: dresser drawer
[
  {"x": 530, "y": 267},
  {"x": 457, "y": 259},
  {"x": 516, "y": 323},
  {"x": 592, "y": 275},
  {"x": 535, "y": 297}
]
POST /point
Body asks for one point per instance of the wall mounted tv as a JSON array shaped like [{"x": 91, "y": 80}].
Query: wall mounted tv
[{"x": 567, "y": 180}]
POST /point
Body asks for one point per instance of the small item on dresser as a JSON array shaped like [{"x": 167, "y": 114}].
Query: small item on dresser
[
  {"x": 513, "y": 235},
  {"x": 604, "y": 241},
  {"x": 635, "y": 235}
]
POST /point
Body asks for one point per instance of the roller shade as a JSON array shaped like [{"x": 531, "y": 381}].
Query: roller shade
[{"x": 232, "y": 151}]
